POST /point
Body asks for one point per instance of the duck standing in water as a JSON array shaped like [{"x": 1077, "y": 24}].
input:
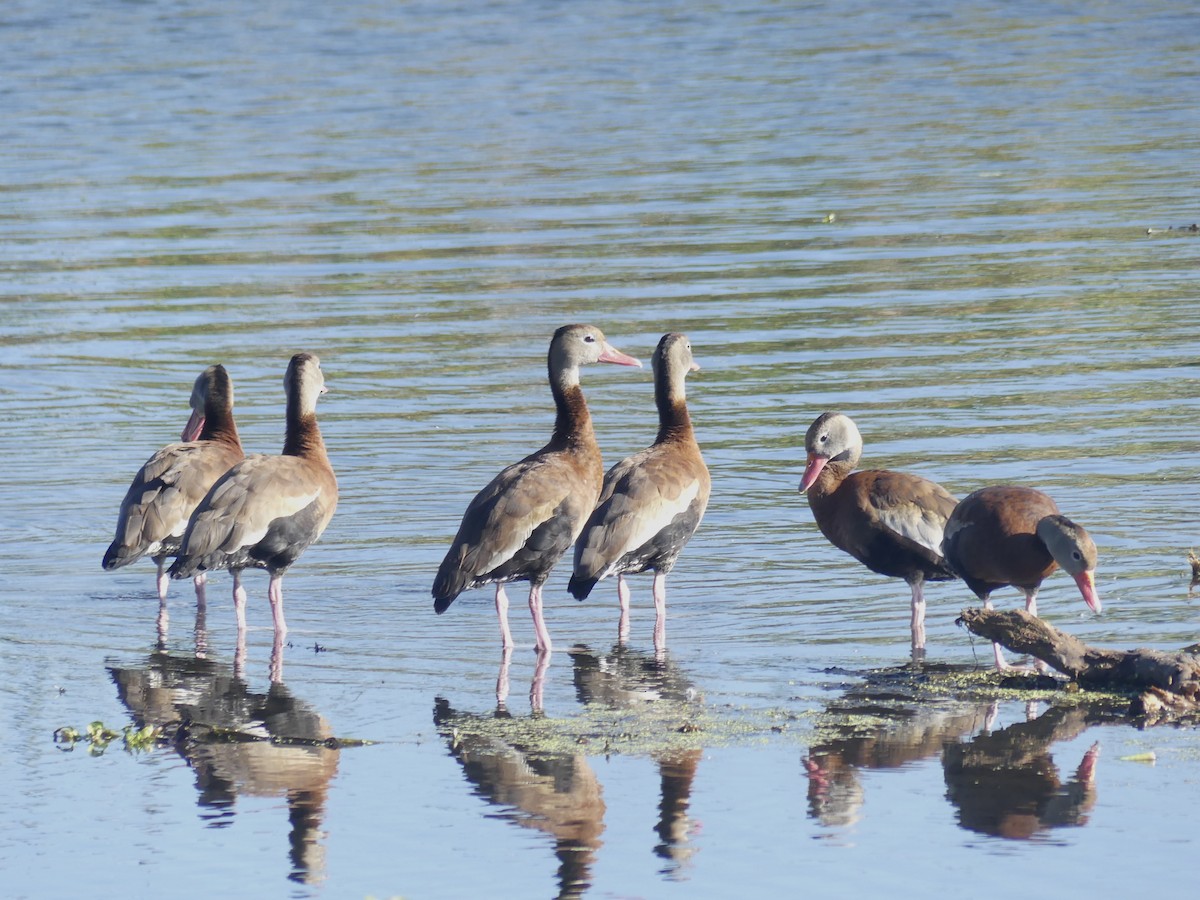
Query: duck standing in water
[
  {"x": 652, "y": 502},
  {"x": 891, "y": 522},
  {"x": 170, "y": 485},
  {"x": 265, "y": 511},
  {"x": 522, "y": 522}
]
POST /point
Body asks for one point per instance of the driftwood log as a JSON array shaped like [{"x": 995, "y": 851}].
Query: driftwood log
[{"x": 1167, "y": 683}]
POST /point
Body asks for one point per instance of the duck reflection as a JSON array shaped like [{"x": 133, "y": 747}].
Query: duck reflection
[
  {"x": 1005, "y": 783},
  {"x": 550, "y": 791},
  {"x": 539, "y": 774},
  {"x": 903, "y": 735},
  {"x": 1001, "y": 782},
  {"x": 237, "y": 741},
  {"x": 627, "y": 679}
]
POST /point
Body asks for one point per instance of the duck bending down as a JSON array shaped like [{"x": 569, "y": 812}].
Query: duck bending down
[
  {"x": 265, "y": 511},
  {"x": 170, "y": 485},
  {"x": 519, "y": 525},
  {"x": 652, "y": 502},
  {"x": 891, "y": 522},
  {"x": 1010, "y": 535}
]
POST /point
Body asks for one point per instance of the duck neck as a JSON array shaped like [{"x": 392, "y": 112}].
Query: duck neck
[
  {"x": 303, "y": 436},
  {"x": 674, "y": 423},
  {"x": 220, "y": 426},
  {"x": 572, "y": 421}
]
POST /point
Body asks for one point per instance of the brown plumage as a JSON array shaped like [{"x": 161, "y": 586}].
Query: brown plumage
[
  {"x": 652, "y": 502},
  {"x": 1009, "y": 535},
  {"x": 265, "y": 511},
  {"x": 172, "y": 482},
  {"x": 519, "y": 526},
  {"x": 891, "y": 522}
]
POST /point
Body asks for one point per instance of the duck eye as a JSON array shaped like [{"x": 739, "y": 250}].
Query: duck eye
[
  {"x": 1076, "y": 554},
  {"x": 589, "y": 338}
]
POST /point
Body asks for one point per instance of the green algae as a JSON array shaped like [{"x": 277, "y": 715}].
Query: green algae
[
  {"x": 652, "y": 729},
  {"x": 98, "y": 737}
]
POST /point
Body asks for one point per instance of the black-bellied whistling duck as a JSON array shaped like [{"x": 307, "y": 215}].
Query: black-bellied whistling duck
[
  {"x": 891, "y": 522},
  {"x": 1006, "y": 534},
  {"x": 172, "y": 482},
  {"x": 518, "y": 526},
  {"x": 651, "y": 502},
  {"x": 265, "y": 511}
]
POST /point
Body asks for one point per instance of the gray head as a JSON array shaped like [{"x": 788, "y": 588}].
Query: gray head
[
  {"x": 672, "y": 361},
  {"x": 304, "y": 382},
  {"x": 577, "y": 345},
  {"x": 833, "y": 437},
  {"x": 1073, "y": 549}
]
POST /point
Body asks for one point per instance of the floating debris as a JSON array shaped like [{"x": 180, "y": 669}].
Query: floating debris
[
  {"x": 1191, "y": 229},
  {"x": 98, "y": 737},
  {"x": 1148, "y": 757}
]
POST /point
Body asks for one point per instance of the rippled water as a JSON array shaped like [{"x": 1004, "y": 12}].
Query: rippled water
[{"x": 959, "y": 223}]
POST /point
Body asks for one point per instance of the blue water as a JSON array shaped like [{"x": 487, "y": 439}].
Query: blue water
[{"x": 962, "y": 224}]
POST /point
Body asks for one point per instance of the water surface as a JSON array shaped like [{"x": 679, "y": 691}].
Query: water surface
[{"x": 959, "y": 223}]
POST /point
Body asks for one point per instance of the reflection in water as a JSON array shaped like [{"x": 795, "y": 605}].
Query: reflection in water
[
  {"x": 1006, "y": 784},
  {"x": 239, "y": 742},
  {"x": 902, "y": 735},
  {"x": 553, "y": 792},
  {"x": 1002, "y": 783},
  {"x": 537, "y": 774},
  {"x": 627, "y": 679}
]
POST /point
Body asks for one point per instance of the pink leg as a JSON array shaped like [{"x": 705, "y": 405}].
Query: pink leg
[
  {"x": 539, "y": 622},
  {"x": 502, "y": 678},
  {"x": 239, "y": 602},
  {"x": 275, "y": 595},
  {"x": 1001, "y": 665},
  {"x": 660, "y": 611},
  {"x": 917, "y": 623},
  {"x": 199, "y": 583},
  {"x": 163, "y": 580},
  {"x": 1031, "y": 601},
  {"x": 537, "y": 688},
  {"x": 623, "y": 601},
  {"x": 506, "y": 640}
]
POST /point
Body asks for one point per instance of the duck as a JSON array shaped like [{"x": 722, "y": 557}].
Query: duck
[
  {"x": 170, "y": 484},
  {"x": 266, "y": 510},
  {"x": 891, "y": 522},
  {"x": 529, "y": 515},
  {"x": 651, "y": 503},
  {"x": 1014, "y": 535}
]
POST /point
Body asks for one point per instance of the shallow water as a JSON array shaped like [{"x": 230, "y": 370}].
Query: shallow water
[{"x": 958, "y": 223}]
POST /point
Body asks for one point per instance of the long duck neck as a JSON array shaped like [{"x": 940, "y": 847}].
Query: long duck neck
[
  {"x": 218, "y": 414},
  {"x": 303, "y": 436},
  {"x": 572, "y": 421},
  {"x": 674, "y": 423}
]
